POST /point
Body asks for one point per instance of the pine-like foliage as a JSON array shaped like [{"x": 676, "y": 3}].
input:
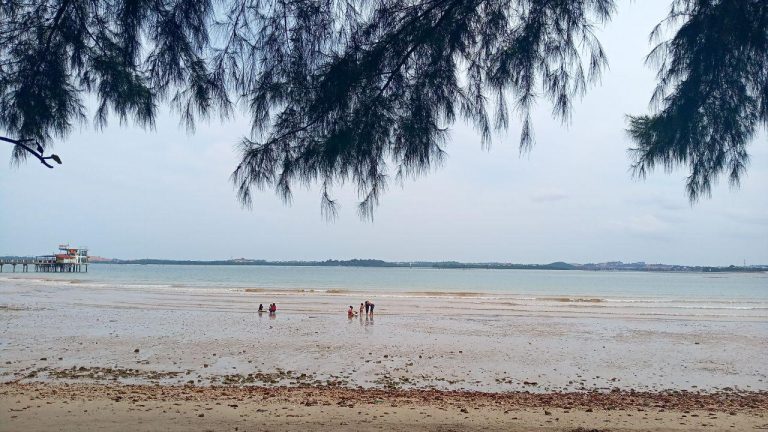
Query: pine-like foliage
[
  {"x": 362, "y": 91},
  {"x": 130, "y": 55},
  {"x": 712, "y": 92}
]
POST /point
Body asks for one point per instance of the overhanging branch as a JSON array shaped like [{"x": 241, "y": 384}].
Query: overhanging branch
[{"x": 38, "y": 152}]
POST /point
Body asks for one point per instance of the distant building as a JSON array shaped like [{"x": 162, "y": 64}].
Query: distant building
[
  {"x": 69, "y": 259},
  {"x": 72, "y": 255}
]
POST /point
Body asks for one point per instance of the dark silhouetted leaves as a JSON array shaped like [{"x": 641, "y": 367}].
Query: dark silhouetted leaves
[
  {"x": 712, "y": 92},
  {"x": 361, "y": 92}
]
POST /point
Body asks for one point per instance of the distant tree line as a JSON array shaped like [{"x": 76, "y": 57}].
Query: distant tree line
[{"x": 559, "y": 265}]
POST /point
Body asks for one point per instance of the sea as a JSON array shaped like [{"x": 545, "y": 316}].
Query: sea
[{"x": 714, "y": 295}]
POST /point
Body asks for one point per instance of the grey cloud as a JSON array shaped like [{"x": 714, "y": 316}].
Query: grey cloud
[
  {"x": 646, "y": 225},
  {"x": 748, "y": 216},
  {"x": 548, "y": 195}
]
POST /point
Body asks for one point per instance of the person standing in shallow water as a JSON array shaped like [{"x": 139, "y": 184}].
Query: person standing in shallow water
[
  {"x": 370, "y": 306},
  {"x": 367, "y": 307},
  {"x": 361, "y": 309}
]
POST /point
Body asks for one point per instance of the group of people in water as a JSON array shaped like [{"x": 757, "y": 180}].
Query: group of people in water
[
  {"x": 367, "y": 307},
  {"x": 272, "y": 308}
]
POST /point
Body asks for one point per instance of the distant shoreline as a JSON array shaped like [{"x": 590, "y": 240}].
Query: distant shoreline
[{"x": 372, "y": 263}]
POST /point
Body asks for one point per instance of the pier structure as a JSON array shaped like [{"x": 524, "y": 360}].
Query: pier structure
[{"x": 68, "y": 260}]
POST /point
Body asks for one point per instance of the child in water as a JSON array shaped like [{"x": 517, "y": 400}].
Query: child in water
[{"x": 351, "y": 312}]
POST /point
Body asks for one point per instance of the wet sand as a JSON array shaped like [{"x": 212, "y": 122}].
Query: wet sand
[
  {"x": 114, "y": 358},
  {"x": 33, "y": 407},
  {"x": 486, "y": 352}
]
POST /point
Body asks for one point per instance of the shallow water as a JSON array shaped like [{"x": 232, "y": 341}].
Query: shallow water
[
  {"x": 403, "y": 290},
  {"x": 491, "y": 330}
]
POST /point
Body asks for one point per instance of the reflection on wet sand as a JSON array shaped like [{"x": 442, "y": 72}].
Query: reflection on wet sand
[{"x": 449, "y": 343}]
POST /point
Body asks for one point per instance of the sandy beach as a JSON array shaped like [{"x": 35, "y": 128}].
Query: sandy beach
[
  {"x": 79, "y": 355},
  {"x": 42, "y": 407},
  {"x": 482, "y": 352}
]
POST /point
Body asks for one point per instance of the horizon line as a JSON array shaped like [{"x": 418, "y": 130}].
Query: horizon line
[{"x": 262, "y": 261}]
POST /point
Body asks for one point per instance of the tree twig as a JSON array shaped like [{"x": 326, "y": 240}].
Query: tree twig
[{"x": 39, "y": 155}]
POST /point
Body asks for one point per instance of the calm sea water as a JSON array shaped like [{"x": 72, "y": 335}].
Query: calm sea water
[{"x": 737, "y": 287}]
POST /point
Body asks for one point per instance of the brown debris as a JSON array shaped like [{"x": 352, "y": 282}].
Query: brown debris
[{"x": 716, "y": 402}]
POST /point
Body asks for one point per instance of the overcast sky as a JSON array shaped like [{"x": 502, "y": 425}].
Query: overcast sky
[{"x": 130, "y": 193}]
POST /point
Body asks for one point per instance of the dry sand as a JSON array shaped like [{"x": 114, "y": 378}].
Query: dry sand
[{"x": 92, "y": 407}]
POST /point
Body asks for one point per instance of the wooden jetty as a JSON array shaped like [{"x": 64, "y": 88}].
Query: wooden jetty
[{"x": 69, "y": 260}]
